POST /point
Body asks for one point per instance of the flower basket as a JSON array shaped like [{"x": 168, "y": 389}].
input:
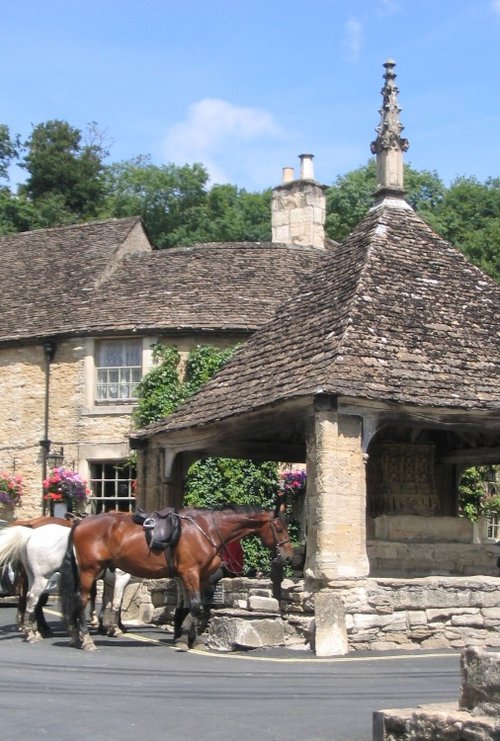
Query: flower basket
[
  {"x": 11, "y": 489},
  {"x": 65, "y": 490}
]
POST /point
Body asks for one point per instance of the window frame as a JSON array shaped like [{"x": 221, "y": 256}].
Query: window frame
[{"x": 105, "y": 479}]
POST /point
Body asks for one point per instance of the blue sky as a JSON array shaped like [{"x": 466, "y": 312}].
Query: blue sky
[{"x": 245, "y": 86}]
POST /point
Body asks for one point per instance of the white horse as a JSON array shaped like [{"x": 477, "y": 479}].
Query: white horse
[{"x": 41, "y": 552}]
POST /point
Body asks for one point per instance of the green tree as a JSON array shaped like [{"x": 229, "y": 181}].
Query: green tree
[
  {"x": 469, "y": 217},
  {"x": 235, "y": 215},
  {"x": 9, "y": 151},
  {"x": 65, "y": 172},
  {"x": 17, "y": 213},
  {"x": 171, "y": 200},
  {"x": 179, "y": 209}
]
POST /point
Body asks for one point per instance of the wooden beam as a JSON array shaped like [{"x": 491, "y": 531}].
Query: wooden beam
[{"x": 480, "y": 456}]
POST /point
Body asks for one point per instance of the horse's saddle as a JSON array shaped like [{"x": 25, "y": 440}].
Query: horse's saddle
[{"x": 162, "y": 528}]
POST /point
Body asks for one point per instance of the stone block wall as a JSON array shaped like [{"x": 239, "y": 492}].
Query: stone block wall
[
  {"x": 476, "y": 716},
  {"x": 380, "y": 614},
  {"x": 413, "y": 559}
]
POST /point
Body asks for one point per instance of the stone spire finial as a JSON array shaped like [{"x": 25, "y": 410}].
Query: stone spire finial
[{"x": 389, "y": 145}]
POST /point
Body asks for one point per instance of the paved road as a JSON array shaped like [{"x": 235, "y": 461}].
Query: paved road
[{"x": 139, "y": 687}]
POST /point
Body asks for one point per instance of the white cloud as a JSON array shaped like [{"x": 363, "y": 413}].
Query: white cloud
[
  {"x": 354, "y": 37},
  {"x": 213, "y": 132},
  {"x": 389, "y": 7}
]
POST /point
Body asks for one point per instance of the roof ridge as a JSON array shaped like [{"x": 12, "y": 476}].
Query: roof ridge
[{"x": 69, "y": 227}]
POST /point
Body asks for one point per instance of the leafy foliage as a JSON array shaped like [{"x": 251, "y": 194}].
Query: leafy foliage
[
  {"x": 160, "y": 391},
  {"x": 9, "y": 149},
  {"x": 178, "y": 208},
  {"x": 469, "y": 217},
  {"x": 474, "y": 498},
  {"x": 211, "y": 482},
  {"x": 65, "y": 173},
  {"x": 351, "y": 196}
]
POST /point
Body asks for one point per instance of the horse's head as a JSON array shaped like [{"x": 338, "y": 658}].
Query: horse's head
[{"x": 277, "y": 538}]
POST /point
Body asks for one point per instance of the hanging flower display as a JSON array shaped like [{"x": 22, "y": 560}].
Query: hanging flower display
[
  {"x": 65, "y": 485},
  {"x": 292, "y": 484},
  {"x": 11, "y": 489}
]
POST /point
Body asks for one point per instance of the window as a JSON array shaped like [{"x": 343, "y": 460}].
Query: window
[
  {"x": 112, "y": 487},
  {"x": 494, "y": 526},
  {"x": 119, "y": 370}
]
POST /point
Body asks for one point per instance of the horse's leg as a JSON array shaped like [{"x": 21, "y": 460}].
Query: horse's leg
[
  {"x": 186, "y": 617},
  {"x": 39, "y": 617},
  {"x": 84, "y": 638},
  {"x": 37, "y": 585},
  {"x": 43, "y": 627},
  {"x": 181, "y": 611},
  {"x": 22, "y": 593},
  {"x": 93, "y": 619},
  {"x": 114, "y": 603}
]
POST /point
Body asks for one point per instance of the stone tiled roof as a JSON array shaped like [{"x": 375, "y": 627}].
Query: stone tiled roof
[
  {"x": 48, "y": 275},
  {"x": 395, "y": 313},
  {"x": 229, "y": 286},
  {"x": 104, "y": 277}
]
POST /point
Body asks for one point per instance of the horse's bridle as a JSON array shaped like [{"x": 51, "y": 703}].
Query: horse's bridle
[{"x": 277, "y": 543}]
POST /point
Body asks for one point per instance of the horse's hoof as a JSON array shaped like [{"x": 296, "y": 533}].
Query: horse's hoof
[
  {"x": 33, "y": 637},
  {"x": 181, "y": 646},
  {"x": 88, "y": 644},
  {"x": 115, "y": 633}
]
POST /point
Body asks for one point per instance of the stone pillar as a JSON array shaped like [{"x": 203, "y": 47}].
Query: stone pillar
[
  {"x": 336, "y": 497},
  {"x": 330, "y": 634}
]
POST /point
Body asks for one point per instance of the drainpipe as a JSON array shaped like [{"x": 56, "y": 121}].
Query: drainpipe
[{"x": 49, "y": 350}]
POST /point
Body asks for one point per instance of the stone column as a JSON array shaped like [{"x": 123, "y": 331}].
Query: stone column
[
  {"x": 336, "y": 520},
  {"x": 336, "y": 497}
]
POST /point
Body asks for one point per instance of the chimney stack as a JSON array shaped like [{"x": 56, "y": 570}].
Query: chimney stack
[
  {"x": 306, "y": 167},
  {"x": 299, "y": 207}
]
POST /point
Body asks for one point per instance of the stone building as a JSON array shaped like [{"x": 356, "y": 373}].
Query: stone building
[
  {"x": 382, "y": 375},
  {"x": 81, "y": 307}
]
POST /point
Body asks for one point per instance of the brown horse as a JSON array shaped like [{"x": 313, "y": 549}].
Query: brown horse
[{"x": 113, "y": 539}]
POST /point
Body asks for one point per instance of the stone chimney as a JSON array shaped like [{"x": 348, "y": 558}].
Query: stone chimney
[
  {"x": 299, "y": 207},
  {"x": 389, "y": 145}
]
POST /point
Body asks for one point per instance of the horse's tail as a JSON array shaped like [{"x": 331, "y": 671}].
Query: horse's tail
[
  {"x": 12, "y": 542},
  {"x": 69, "y": 586}
]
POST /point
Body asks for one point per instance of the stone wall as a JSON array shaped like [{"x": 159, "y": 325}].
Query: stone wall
[
  {"x": 406, "y": 559},
  {"x": 379, "y": 614},
  {"x": 410, "y": 546},
  {"x": 22, "y": 415},
  {"x": 475, "y": 716}
]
